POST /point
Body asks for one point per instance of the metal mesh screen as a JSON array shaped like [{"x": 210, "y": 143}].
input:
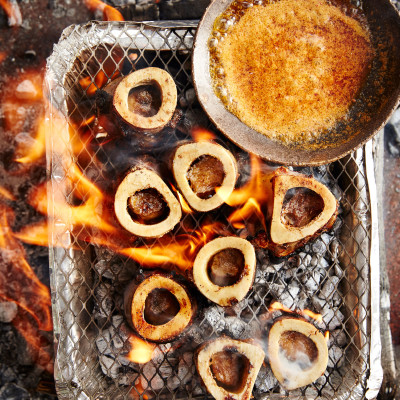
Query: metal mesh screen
[{"x": 329, "y": 275}]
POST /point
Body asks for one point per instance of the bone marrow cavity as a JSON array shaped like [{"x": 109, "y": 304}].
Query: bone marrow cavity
[
  {"x": 298, "y": 349},
  {"x": 205, "y": 174},
  {"x": 300, "y": 206},
  {"x": 226, "y": 267},
  {"x": 160, "y": 307},
  {"x": 145, "y": 99},
  {"x": 148, "y": 206},
  {"x": 230, "y": 369}
]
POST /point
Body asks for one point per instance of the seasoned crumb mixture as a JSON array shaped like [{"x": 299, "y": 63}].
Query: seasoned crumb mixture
[{"x": 293, "y": 68}]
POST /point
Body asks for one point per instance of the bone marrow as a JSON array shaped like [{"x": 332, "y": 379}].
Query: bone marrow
[
  {"x": 298, "y": 352},
  {"x": 160, "y": 308},
  {"x": 226, "y": 267},
  {"x": 205, "y": 173},
  {"x": 146, "y": 99},
  {"x": 144, "y": 205},
  {"x": 229, "y": 367},
  {"x": 224, "y": 270}
]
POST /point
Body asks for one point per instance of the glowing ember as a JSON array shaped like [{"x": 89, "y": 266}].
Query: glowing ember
[
  {"x": 24, "y": 289},
  {"x": 141, "y": 351},
  {"x": 109, "y": 13},
  {"x": 13, "y": 12}
]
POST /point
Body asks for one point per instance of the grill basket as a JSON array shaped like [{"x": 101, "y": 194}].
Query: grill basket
[{"x": 334, "y": 275}]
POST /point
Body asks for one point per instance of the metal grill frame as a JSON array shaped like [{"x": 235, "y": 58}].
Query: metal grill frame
[{"x": 77, "y": 371}]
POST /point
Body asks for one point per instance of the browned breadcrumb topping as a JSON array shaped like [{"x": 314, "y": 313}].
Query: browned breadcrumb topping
[{"x": 293, "y": 68}]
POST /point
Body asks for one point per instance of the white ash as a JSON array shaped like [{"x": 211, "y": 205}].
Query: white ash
[
  {"x": 266, "y": 380},
  {"x": 215, "y": 318},
  {"x": 105, "y": 303},
  {"x": 329, "y": 288},
  {"x": 115, "y": 271},
  {"x": 238, "y": 329},
  {"x": 338, "y": 336},
  {"x": 336, "y": 357},
  {"x": 332, "y": 318},
  {"x": 154, "y": 374},
  {"x": 319, "y": 261},
  {"x": 8, "y": 311}
]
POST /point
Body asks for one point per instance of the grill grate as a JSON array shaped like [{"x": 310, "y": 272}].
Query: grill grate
[{"x": 329, "y": 275}]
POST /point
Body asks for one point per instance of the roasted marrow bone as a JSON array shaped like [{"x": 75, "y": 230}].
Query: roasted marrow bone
[
  {"x": 229, "y": 367},
  {"x": 144, "y": 205},
  {"x": 301, "y": 208},
  {"x": 224, "y": 270},
  {"x": 282, "y": 182},
  {"x": 205, "y": 173},
  {"x": 298, "y": 352},
  {"x": 146, "y": 99},
  {"x": 160, "y": 308}
]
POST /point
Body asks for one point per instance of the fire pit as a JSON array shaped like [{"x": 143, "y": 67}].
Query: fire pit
[{"x": 99, "y": 356}]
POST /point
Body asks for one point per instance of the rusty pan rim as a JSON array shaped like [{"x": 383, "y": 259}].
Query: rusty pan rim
[{"x": 249, "y": 139}]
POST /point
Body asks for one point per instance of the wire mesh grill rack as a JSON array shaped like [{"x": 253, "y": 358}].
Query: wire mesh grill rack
[{"x": 330, "y": 275}]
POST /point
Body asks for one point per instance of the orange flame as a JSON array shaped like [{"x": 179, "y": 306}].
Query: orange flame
[
  {"x": 312, "y": 315},
  {"x": 13, "y": 12},
  {"x": 327, "y": 335},
  {"x": 38, "y": 149},
  {"x": 181, "y": 252},
  {"x": 99, "y": 81},
  {"x": 256, "y": 187},
  {"x": 25, "y": 289},
  {"x": 185, "y": 206},
  {"x": 6, "y": 194},
  {"x": 202, "y": 135},
  {"x": 141, "y": 351},
  {"x": 251, "y": 207},
  {"x": 276, "y": 306},
  {"x": 109, "y": 13}
]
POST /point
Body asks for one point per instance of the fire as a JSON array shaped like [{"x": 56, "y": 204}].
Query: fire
[
  {"x": 327, "y": 335},
  {"x": 109, "y": 13},
  {"x": 202, "y": 135},
  {"x": 279, "y": 307},
  {"x": 13, "y": 12},
  {"x": 38, "y": 149},
  {"x": 24, "y": 289},
  {"x": 308, "y": 313},
  {"x": 185, "y": 206},
  {"x": 99, "y": 81},
  {"x": 141, "y": 351},
  {"x": 312, "y": 315},
  {"x": 6, "y": 194},
  {"x": 256, "y": 187},
  {"x": 179, "y": 252},
  {"x": 251, "y": 207}
]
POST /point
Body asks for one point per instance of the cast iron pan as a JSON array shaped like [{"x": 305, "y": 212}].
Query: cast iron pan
[{"x": 378, "y": 98}]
